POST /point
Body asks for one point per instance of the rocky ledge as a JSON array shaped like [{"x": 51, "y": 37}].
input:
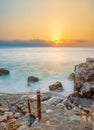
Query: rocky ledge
[
  {"x": 84, "y": 78},
  {"x": 58, "y": 112}
]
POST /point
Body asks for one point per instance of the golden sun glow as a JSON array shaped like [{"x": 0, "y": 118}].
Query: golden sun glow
[
  {"x": 58, "y": 42},
  {"x": 56, "y": 34}
]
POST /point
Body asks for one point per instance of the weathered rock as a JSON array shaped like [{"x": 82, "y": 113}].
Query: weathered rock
[
  {"x": 89, "y": 59},
  {"x": 4, "y": 126},
  {"x": 45, "y": 97},
  {"x": 61, "y": 105},
  {"x": 76, "y": 110},
  {"x": 3, "y": 118},
  {"x": 53, "y": 101},
  {"x": 74, "y": 118},
  {"x": 32, "y": 79},
  {"x": 56, "y": 86},
  {"x": 29, "y": 119},
  {"x": 4, "y": 72},
  {"x": 18, "y": 114},
  {"x": 75, "y": 94},
  {"x": 84, "y": 78},
  {"x": 87, "y": 116},
  {"x": 72, "y": 76},
  {"x": 68, "y": 104},
  {"x": 9, "y": 114}
]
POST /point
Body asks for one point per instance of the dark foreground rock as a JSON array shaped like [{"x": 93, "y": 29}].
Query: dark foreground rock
[
  {"x": 84, "y": 78},
  {"x": 4, "y": 72},
  {"x": 56, "y": 86}
]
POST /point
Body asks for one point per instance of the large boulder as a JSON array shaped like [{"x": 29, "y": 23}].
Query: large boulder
[
  {"x": 4, "y": 72},
  {"x": 56, "y": 86},
  {"x": 84, "y": 78}
]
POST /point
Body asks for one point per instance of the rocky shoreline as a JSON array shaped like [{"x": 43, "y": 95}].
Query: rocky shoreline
[
  {"x": 71, "y": 112},
  {"x": 58, "y": 112}
]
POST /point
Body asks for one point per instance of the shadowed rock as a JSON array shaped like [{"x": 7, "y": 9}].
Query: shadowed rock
[
  {"x": 56, "y": 86},
  {"x": 32, "y": 79},
  {"x": 4, "y": 72}
]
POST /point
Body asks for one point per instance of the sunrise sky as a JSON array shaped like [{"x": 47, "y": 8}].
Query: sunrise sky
[{"x": 54, "y": 20}]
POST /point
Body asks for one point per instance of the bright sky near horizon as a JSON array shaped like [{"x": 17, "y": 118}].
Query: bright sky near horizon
[{"x": 47, "y": 19}]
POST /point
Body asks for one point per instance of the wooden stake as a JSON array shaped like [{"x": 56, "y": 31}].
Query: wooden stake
[
  {"x": 38, "y": 105},
  {"x": 29, "y": 108}
]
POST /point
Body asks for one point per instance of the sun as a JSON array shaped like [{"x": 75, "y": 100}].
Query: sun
[{"x": 57, "y": 42}]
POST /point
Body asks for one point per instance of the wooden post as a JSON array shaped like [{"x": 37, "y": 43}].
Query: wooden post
[
  {"x": 29, "y": 108},
  {"x": 38, "y": 105}
]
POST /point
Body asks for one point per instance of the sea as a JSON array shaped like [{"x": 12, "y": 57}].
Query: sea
[{"x": 49, "y": 64}]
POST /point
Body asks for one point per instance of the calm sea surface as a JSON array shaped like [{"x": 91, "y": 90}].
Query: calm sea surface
[{"x": 49, "y": 64}]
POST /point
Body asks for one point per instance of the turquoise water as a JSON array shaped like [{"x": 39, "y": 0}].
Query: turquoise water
[{"x": 49, "y": 64}]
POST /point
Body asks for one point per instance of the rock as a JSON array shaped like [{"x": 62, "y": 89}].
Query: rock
[
  {"x": 29, "y": 119},
  {"x": 70, "y": 98},
  {"x": 76, "y": 110},
  {"x": 84, "y": 78},
  {"x": 4, "y": 72},
  {"x": 4, "y": 126},
  {"x": 72, "y": 76},
  {"x": 61, "y": 106},
  {"x": 3, "y": 109},
  {"x": 68, "y": 104},
  {"x": 49, "y": 111},
  {"x": 32, "y": 79},
  {"x": 87, "y": 116},
  {"x": 75, "y": 94},
  {"x": 23, "y": 127},
  {"x": 90, "y": 77},
  {"x": 18, "y": 114},
  {"x": 56, "y": 86},
  {"x": 9, "y": 114},
  {"x": 87, "y": 90},
  {"x": 45, "y": 97},
  {"x": 74, "y": 118},
  {"x": 89, "y": 59},
  {"x": 3, "y": 118},
  {"x": 53, "y": 101}
]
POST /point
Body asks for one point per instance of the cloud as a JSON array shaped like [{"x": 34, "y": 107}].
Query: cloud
[
  {"x": 25, "y": 43},
  {"x": 81, "y": 41},
  {"x": 43, "y": 43}
]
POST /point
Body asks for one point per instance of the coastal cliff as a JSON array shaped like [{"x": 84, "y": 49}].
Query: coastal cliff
[{"x": 84, "y": 78}]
